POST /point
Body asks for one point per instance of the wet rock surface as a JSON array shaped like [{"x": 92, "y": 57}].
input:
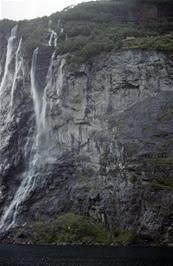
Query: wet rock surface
[{"x": 101, "y": 147}]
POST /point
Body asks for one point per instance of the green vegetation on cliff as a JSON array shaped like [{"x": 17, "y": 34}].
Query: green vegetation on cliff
[
  {"x": 102, "y": 26},
  {"x": 162, "y": 43},
  {"x": 72, "y": 228},
  {"x": 67, "y": 228}
]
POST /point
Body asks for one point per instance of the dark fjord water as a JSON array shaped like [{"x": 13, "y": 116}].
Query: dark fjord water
[{"x": 84, "y": 256}]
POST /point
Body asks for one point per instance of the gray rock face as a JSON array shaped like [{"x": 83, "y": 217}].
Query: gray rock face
[{"x": 94, "y": 139}]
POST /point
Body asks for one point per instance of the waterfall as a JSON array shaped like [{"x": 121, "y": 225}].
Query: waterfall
[
  {"x": 18, "y": 68},
  {"x": 34, "y": 91},
  {"x": 37, "y": 149},
  {"x": 53, "y": 35},
  {"x": 48, "y": 85},
  {"x": 9, "y": 217},
  {"x": 60, "y": 76},
  {"x": 53, "y": 38},
  {"x": 39, "y": 100},
  {"x": 9, "y": 57}
]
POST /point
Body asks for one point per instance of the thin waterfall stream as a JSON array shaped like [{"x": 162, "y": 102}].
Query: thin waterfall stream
[
  {"x": 53, "y": 38},
  {"x": 18, "y": 70}
]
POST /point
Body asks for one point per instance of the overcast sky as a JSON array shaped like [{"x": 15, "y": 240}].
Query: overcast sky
[{"x": 27, "y": 9}]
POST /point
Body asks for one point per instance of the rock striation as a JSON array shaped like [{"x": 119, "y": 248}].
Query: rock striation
[{"x": 94, "y": 139}]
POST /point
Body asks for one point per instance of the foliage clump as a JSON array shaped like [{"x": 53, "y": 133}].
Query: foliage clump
[
  {"x": 162, "y": 43},
  {"x": 103, "y": 26},
  {"x": 68, "y": 228},
  {"x": 165, "y": 185},
  {"x": 5, "y": 26}
]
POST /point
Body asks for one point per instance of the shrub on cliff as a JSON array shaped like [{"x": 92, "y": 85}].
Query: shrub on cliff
[
  {"x": 66, "y": 228},
  {"x": 161, "y": 43}
]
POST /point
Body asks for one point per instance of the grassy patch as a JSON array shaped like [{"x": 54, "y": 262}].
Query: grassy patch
[
  {"x": 160, "y": 161},
  {"x": 166, "y": 185},
  {"x": 125, "y": 238},
  {"x": 73, "y": 228},
  {"x": 132, "y": 149},
  {"x": 162, "y": 43},
  {"x": 148, "y": 142},
  {"x": 166, "y": 112},
  {"x": 69, "y": 228},
  {"x": 85, "y": 174}
]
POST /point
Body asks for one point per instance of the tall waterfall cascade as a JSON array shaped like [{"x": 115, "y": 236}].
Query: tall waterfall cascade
[
  {"x": 9, "y": 217},
  {"x": 49, "y": 84},
  {"x": 18, "y": 72},
  {"x": 60, "y": 76},
  {"x": 39, "y": 101},
  {"x": 9, "y": 57},
  {"x": 35, "y": 95}
]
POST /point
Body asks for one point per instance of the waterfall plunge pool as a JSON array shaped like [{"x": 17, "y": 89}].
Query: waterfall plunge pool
[{"x": 35, "y": 255}]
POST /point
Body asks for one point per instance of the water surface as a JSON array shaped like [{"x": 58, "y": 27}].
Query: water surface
[{"x": 84, "y": 256}]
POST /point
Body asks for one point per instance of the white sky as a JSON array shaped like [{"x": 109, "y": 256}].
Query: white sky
[{"x": 28, "y": 9}]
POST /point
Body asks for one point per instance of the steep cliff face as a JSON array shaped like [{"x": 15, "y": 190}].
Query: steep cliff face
[{"x": 93, "y": 139}]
